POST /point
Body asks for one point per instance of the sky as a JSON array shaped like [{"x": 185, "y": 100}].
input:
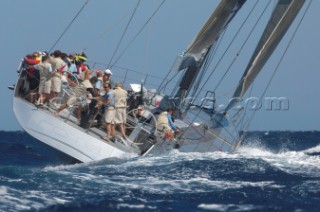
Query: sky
[{"x": 32, "y": 25}]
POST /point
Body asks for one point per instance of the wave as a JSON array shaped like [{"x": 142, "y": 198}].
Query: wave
[
  {"x": 313, "y": 150},
  {"x": 265, "y": 165}
]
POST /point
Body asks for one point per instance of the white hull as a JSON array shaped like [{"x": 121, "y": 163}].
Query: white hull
[{"x": 60, "y": 135}]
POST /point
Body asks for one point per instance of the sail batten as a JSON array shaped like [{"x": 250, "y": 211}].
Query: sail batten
[{"x": 280, "y": 21}]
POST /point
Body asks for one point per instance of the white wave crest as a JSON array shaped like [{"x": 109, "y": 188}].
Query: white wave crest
[
  {"x": 313, "y": 150},
  {"x": 291, "y": 162},
  {"x": 233, "y": 207}
]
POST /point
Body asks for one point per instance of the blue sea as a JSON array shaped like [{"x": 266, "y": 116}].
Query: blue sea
[{"x": 272, "y": 171}]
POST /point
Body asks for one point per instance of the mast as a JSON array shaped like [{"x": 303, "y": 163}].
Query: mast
[
  {"x": 195, "y": 55},
  {"x": 282, "y": 17}
]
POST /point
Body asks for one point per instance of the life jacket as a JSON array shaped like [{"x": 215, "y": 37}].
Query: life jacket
[{"x": 31, "y": 61}]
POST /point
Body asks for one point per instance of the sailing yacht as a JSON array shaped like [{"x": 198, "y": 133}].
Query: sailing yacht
[{"x": 204, "y": 127}]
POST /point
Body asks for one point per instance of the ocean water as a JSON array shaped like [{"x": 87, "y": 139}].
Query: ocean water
[{"x": 271, "y": 171}]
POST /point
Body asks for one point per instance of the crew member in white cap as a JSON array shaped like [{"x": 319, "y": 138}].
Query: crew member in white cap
[
  {"x": 106, "y": 77},
  {"x": 107, "y": 72}
]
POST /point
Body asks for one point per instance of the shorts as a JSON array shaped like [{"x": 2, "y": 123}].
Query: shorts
[
  {"x": 56, "y": 84},
  {"x": 87, "y": 84},
  {"x": 71, "y": 100},
  {"x": 164, "y": 128},
  {"x": 121, "y": 115},
  {"x": 109, "y": 116},
  {"x": 44, "y": 86}
]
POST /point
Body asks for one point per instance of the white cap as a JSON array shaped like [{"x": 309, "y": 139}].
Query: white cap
[{"x": 108, "y": 72}]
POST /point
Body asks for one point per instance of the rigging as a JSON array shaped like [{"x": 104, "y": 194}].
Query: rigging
[
  {"x": 241, "y": 48},
  {"x": 66, "y": 29},
  {"x": 138, "y": 33},
  {"x": 124, "y": 32},
  {"x": 116, "y": 23}
]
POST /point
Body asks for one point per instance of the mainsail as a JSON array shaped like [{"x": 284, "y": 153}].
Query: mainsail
[
  {"x": 193, "y": 57},
  {"x": 283, "y": 15}
]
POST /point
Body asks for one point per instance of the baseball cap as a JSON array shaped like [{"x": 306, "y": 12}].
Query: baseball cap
[{"x": 107, "y": 72}]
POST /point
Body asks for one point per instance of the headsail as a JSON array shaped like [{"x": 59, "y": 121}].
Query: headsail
[
  {"x": 195, "y": 54},
  {"x": 280, "y": 21}
]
